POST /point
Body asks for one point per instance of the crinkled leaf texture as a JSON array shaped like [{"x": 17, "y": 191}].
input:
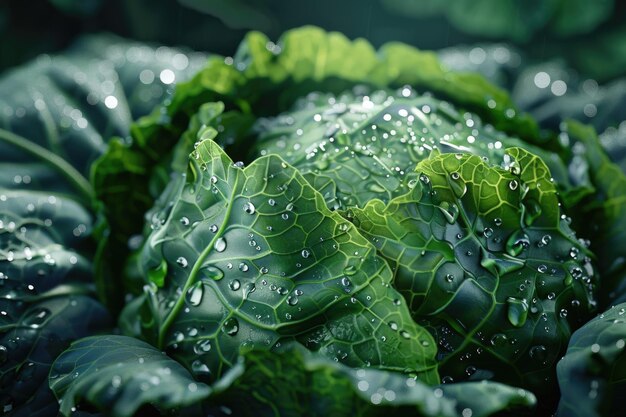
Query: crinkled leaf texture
[
  {"x": 120, "y": 375},
  {"x": 485, "y": 260},
  {"x": 592, "y": 373},
  {"x": 263, "y": 80},
  {"x": 363, "y": 145},
  {"x": 253, "y": 257}
]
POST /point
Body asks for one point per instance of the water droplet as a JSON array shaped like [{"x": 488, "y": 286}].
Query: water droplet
[
  {"x": 200, "y": 368},
  {"x": 292, "y": 300},
  {"x": 4, "y": 353},
  {"x": 375, "y": 187},
  {"x": 243, "y": 267},
  {"x": 249, "y": 208},
  {"x": 213, "y": 179},
  {"x": 231, "y": 326},
  {"x": 517, "y": 311},
  {"x": 202, "y": 346},
  {"x": 271, "y": 202},
  {"x": 182, "y": 261},
  {"x": 393, "y": 325},
  {"x": 234, "y": 285},
  {"x": 36, "y": 317},
  {"x": 213, "y": 273},
  {"x": 513, "y": 185},
  {"x": 459, "y": 188},
  {"x": 538, "y": 353},
  {"x": 195, "y": 293},
  {"x": 220, "y": 244},
  {"x": 499, "y": 339},
  {"x": 305, "y": 253},
  {"x": 349, "y": 270},
  {"x": 184, "y": 221},
  {"x": 449, "y": 211}
]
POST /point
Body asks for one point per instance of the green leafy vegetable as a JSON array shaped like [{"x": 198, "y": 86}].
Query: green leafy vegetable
[
  {"x": 252, "y": 256},
  {"x": 308, "y": 227}
]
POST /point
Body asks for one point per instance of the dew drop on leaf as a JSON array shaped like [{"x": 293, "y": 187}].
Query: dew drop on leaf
[
  {"x": 213, "y": 273},
  {"x": 202, "y": 346},
  {"x": 231, "y": 326},
  {"x": 182, "y": 261},
  {"x": 249, "y": 208},
  {"x": 220, "y": 244},
  {"x": 195, "y": 293}
]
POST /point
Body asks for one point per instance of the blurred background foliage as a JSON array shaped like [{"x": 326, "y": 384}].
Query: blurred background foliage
[
  {"x": 558, "y": 58},
  {"x": 590, "y": 36}
]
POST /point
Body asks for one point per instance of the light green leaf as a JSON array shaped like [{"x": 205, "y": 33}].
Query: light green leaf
[
  {"x": 254, "y": 258},
  {"x": 485, "y": 259},
  {"x": 358, "y": 146}
]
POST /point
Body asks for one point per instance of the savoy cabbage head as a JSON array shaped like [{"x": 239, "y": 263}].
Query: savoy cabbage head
[{"x": 309, "y": 227}]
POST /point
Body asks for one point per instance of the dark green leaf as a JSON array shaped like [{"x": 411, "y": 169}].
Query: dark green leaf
[
  {"x": 58, "y": 113},
  {"x": 45, "y": 268},
  {"x": 120, "y": 375},
  {"x": 592, "y": 373},
  {"x": 606, "y": 209},
  {"x": 296, "y": 383}
]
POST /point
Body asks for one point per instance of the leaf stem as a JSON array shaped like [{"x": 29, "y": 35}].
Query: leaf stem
[{"x": 76, "y": 179}]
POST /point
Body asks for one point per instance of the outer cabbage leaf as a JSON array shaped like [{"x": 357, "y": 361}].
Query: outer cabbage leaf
[
  {"x": 44, "y": 272},
  {"x": 296, "y": 383},
  {"x": 120, "y": 375},
  {"x": 607, "y": 208},
  {"x": 56, "y": 115},
  {"x": 592, "y": 373},
  {"x": 354, "y": 148},
  {"x": 486, "y": 260},
  {"x": 252, "y": 257},
  {"x": 124, "y": 376}
]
